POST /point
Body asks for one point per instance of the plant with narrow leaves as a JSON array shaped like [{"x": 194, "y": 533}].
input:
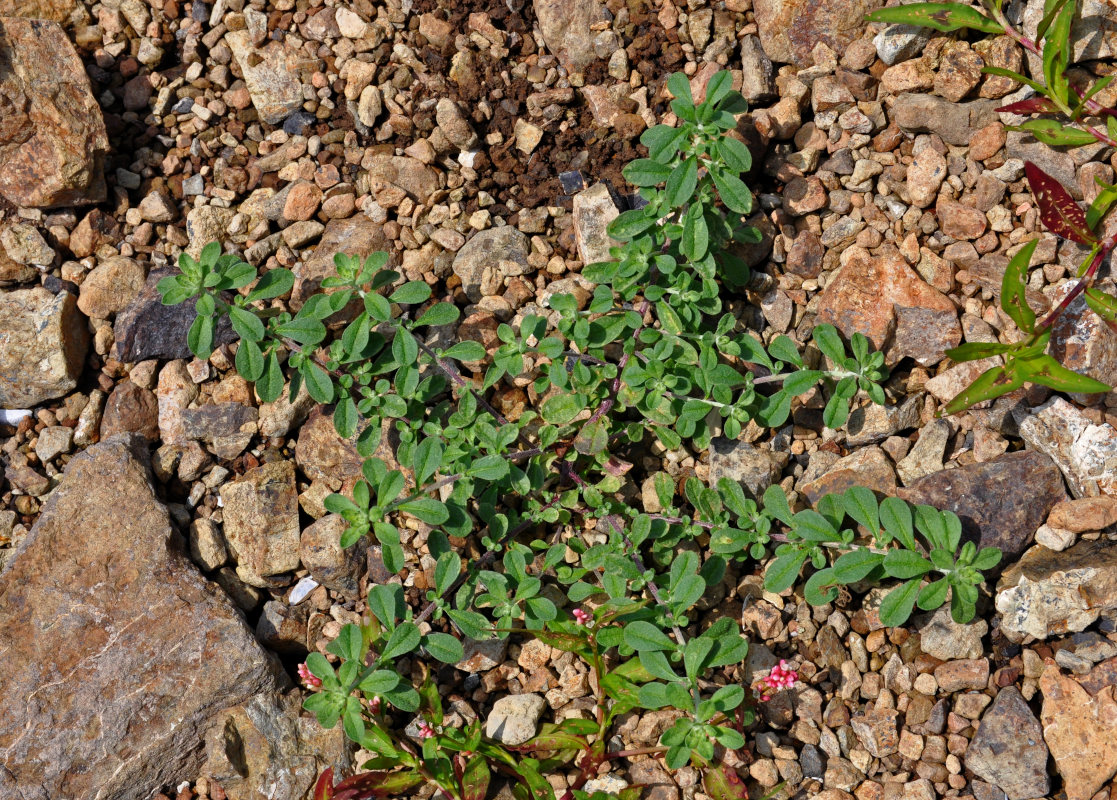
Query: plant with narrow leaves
[
  {"x": 1027, "y": 360},
  {"x": 941, "y": 565},
  {"x": 1056, "y": 93}
]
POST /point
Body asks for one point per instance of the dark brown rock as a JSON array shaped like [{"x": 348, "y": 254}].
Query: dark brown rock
[
  {"x": 117, "y": 651},
  {"x": 131, "y": 409},
  {"x": 52, "y": 136},
  {"x": 1008, "y": 750},
  {"x": 335, "y": 567},
  {"x": 1001, "y": 502},
  {"x": 148, "y": 329}
]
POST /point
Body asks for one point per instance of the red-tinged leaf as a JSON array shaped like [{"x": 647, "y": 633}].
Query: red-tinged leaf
[
  {"x": 371, "y": 785},
  {"x": 617, "y": 466},
  {"x": 567, "y": 642},
  {"x": 475, "y": 778},
  {"x": 1033, "y": 105},
  {"x": 552, "y": 741},
  {"x": 324, "y": 789},
  {"x": 723, "y": 783},
  {"x": 1058, "y": 210}
]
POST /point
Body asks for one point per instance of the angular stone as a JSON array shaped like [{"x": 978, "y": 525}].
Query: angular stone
[
  {"x": 1084, "y": 514},
  {"x": 1081, "y": 340},
  {"x": 52, "y": 135},
  {"x": 943, "y": 638},
  {"x": 1048, "y": 593},
  {"x": 1085, "y": 453},
  {"x": 753, "y": 467},
  {"x": 1008, "y": 750},
  {"x": 966, "y": 673},
  {"x": 410, "y": 174},
  {"x": 266, "y": 748},
  {"x": 131, "y": 409},
  {"x": 43, "y": 340},
  {"x": 927, "y": 454},
  {"x": 271, "y": 75},
  {"x": 872, "y": 424},
  {"x": 116, "y": 632},
  {"x": 924, "y": 334},
  {"x": 565, "y": 25},
  {"x": 335, "y": 567},
  {"x": 1001, "y": 502},
  {"x": 791, "y": 29},
  {"x": 61, "y": 11},
  {"x": 227, "y": 428},
  {"x": 867, "y": 467},
  {"x": 358, "y": 236},
  {"x": 1079, "y": 729},
  {"x": 925, "y": 176},
  {"x": 148, "y": 329},
  {"x": 1057, "y": 163},
  {"x": 490, "y": 256},
  {"x": 110, "y": 287},
  {"x": 877, "y": 730},
  {"x": 514, "y": 719},
  {"x": 864, "y": 295},
  {"x": 261, "y": 511},
  {"x": 593, "y": 211},
  {"x": 956, "y": 123}
]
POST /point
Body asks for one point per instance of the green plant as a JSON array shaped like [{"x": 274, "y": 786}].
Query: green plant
[
  {"x": 1027, "y": 360},
  {"x": 1056, "y": 93},
  {"x": 649, "y": 360}
]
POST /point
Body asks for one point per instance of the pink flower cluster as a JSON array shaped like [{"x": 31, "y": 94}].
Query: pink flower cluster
[
  {"x": 425, "y": 730},
  {"x": 781, "y": 677},
  {"x": 373, "y": 705},
  {"x": 580, "y": 616},
  {"x": 308, "y": 678}
]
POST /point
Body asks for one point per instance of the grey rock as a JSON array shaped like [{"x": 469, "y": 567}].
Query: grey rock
[
  {"x": 898, "y": 43},
  {"x": 53, "y": 442},
  {"x": 335, "y": 567},
  {"x": 266, "y": 748},
  {"x": 956, "y": 123},
  {"x": 270, "y": 74},
  {"x": 927, "y": 454},
  {"x": 593, "y": 211},
  {"x": 1055, "y": 162},
  {"x": 1001, "y": 502},
  {"x": 943, "y": 638},
  {"x": 227, "y": 428},
  {"x": 514, "y": 719},
  {"x": 872, "y": 424},
  {"x": 1008, "y": 750},
  {"x": 490, "y": 256},
  {"x": 261, "y": 515},
  {"x": 564, "y": 25},
  {"x": 43, "y": 341},
  {"x": 1086, "y": 453},
  {"x": 1048, "y": 593},
  {"x": 757, "y": 82},
  {"x": 753, "y": 467},
  {"x": 148, "y": 329},
  {"x": 115, "y": 632}
]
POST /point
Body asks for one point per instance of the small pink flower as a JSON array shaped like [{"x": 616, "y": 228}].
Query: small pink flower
[
  {"x": 581, "y": 617},
  {"x": 781, "y": 677},
  {"x": 309, "y": 679},
  {"x": 425, "y": 730},
  {"x": 373, "y": 705}
]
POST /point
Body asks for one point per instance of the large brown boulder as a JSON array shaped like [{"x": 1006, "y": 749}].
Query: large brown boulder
[
  {"x": 52, "y": 135},
  {"x": 117, "y": 652}
]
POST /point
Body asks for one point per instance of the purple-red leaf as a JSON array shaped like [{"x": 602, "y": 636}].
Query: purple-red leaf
[
  {"x": 723, "y": 783},
  {"x": 1033, "y": 105},
  {"x": 324, "y": 789},
  {"x": 1058, "y": 210}
]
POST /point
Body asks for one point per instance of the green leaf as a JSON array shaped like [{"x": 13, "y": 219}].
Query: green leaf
[
  {"x": 427, "y": 460},
  {"x": 1013, "y": 286},
  {"x": 830, "y": 343},
  {"x": 446, "y": 571},
  {"x": 274, "y": 283},
  {"x": 1045, "y": 370},
  {"x": 933, "y": 594},
  {"x": 974, "y": 351},
  {"x": 403, "y": 640},
  {"x": 897, "y": 605},
  {"x": 646, "y": 172},
  {"x": 411, "y": 293},
  {"x": 861, "y": 504},
  {"x": 641, "y": 636},
  {"x": 1055, "y": 133},
  {"x": 989, "y": 385},
  {"x": 465, "y": 351},
  {"x": 345, "y": 417},
  {"x": 429, "y": 510},
  {"x": 820, "y": 588},
  {"x": 856, "y": 564},
  {"x": 906, "y": 564},
  {"x": 249, "y": 360},
  {"x": 404, "y": 347},
  {"x": 682, "y": 183},
  {"x": 561, "y": 409},
  {"x": 943, "y": 17},
  {"x": 380, "y": 682},
  {"x": 895, "y": 516},
  {"x": 732, "y": 191},
  {"x": 679, "y": 86},
  {"x": 246, "y": 324},
  {"x": 303, "y": 330},
  {"x": 784, "y": 571},
  {"x": 439, "y": 314},
  {"x": 318, "y": 382},
  {"x": 630, "y": 224},
  {"x": 200, "y": 337},
  {"x": 696, "y": 234},
  {"x": 444, "y": 647},
  {"x": 836, "y": 412},
  {"x": 270, "y": 385},
  {"x": 377, "y": 307},
  {"x": 735, "y": 154},
  {"x": 663, "y": 141},
  {"x": 1102, "y": 203}
]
